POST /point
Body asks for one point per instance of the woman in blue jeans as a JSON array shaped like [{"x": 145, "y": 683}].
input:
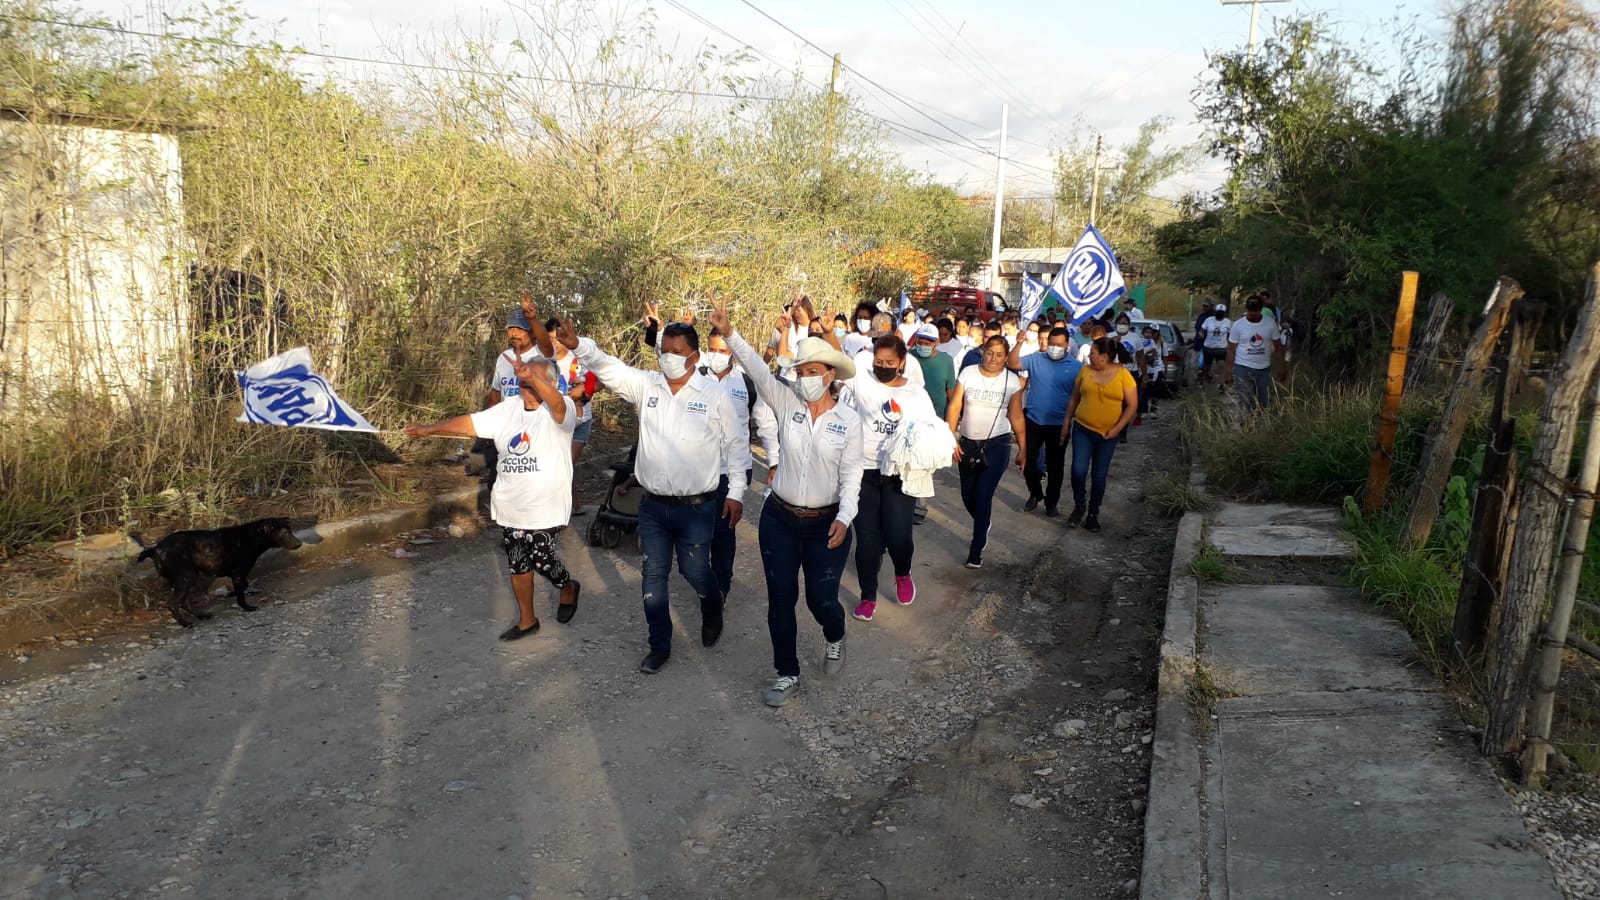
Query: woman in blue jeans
[
  {"x": 1104, "y": 401},
  {"x": 985, "y": 413},
  {"x": 805, "y": 523}
]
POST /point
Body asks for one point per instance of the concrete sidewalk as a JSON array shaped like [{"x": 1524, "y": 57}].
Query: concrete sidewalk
[{"x": 1300, "y": 749}]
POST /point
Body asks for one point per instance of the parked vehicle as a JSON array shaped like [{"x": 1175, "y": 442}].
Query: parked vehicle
[{"x": 963, "y": 301}]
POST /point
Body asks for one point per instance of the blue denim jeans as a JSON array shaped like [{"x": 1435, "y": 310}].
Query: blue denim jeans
[
  {"x": 724, "y": 541},
  {"x": 791, "y": 545},
  {"x": 665, "y": 528},
  {"x": 977, "y": 489},
  {"x": 882, "y": 523},
  {"x": 1090, "y": 450},
  {"x": 1254, "y": 386}
]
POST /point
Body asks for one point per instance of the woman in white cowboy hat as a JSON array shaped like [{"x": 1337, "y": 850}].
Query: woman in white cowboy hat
[{"x": 805, "y": 524}]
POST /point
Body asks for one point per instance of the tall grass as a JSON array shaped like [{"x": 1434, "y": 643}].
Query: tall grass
[
  {"x": 1312, "y": 445},
  {"x": 93, "y": 464}
]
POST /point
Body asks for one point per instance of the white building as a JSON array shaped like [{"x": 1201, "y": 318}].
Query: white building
[{"x": 93, "y": 260}]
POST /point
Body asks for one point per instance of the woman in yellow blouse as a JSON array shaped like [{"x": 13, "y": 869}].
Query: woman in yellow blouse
[{"x": 1104, "y": 400}]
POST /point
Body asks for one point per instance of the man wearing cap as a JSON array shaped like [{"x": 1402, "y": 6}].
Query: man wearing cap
[
  {"x": 805, "y": 523},
  {"x": 1135, "y": 314},
  {"x": 1251, "y": 342},
  {"x": 1213, "y": 334},
  {"x": 689, "y": 436},
  {"x": 938, "y": 369}
]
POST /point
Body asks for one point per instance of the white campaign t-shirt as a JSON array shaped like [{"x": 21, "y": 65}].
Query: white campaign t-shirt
[
  {"x": 571, "y": 373},
  {"x": 884, "y": 410},
  {"x": 505, "y": 377},
  {"x": 1255, "y": 340},
  {"x": 1216, "y": 331},
  {"x": 533, "y": 484},
  {"x": 854, "y": 343},
  {"x": 985, "y": 401}
]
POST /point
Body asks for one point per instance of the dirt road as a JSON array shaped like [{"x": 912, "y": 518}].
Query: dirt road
[{"x": 371, "y": 738}]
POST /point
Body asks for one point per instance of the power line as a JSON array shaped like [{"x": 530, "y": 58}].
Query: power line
[
  {"x": 339, "y": 57},
  {"x": 909, "y": 104}
]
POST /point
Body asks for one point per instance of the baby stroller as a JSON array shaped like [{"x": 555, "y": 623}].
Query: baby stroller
[{"x": 618, "y": 513}]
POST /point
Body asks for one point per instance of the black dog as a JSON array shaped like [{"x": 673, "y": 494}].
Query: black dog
[{"x": 191, "y": 560}]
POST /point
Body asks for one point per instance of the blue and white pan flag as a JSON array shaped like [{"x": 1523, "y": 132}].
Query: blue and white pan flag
[
  {"x": 1033, "y": 291},
  {"x": 905, "y": 304},
  {"x": 284, "y": 391},
  {"x": 1090, "y": 280}
]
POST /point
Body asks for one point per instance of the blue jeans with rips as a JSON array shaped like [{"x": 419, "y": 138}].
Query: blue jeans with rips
[{"x": 665, "y": 529}]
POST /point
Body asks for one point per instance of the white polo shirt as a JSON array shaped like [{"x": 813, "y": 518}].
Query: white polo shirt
[
  {"x": 821, "y": 458},
  {"x": 685, "y": 439}
]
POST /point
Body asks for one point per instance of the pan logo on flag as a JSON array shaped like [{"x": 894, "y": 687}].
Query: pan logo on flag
[
  {"x": 284, "y": 391},
  {"x": 1090, "y": 279},
  {"x": 1089, "y": 276}
]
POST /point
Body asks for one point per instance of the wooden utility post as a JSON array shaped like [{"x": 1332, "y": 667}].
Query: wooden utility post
[
  {"x": 1420, "y": 367},
  {"x": 1483, "y": 575},
  {"x": 1393, "y": 389},
  {"x": 1439, "y": 456},
  {"x": 1541, "y": 501},
  {"x": 1547, "y": 673}
]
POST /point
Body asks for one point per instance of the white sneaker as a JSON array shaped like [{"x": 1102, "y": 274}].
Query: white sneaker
[
  {"x": 833, "y": 657},
  {"x": 782, "y": 689}
]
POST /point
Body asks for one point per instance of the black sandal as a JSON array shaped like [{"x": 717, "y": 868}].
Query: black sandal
[
  {"x": 516, "y": 631},
  {"x": 565, "y": 611}
]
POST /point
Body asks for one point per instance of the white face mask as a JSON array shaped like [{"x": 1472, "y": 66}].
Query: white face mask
[
  {"x": 674, "y": 366},
  {"x": 1030, "y": 338},
  {"x": 1056, "y": 353},
  {"x": 1122, "y": 329},
  {"x": 716, "y": 362},
  {"x": 863, "y": 325},
  {"x": 811, "y": 387}
]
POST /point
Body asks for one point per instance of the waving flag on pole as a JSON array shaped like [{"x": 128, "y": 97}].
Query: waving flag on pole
[
  {"x": 905, "y": 304},
  {"x": 1033, "y": 291},
  {"x": 284, "y": 391},
  {"x": 1090, "y": 280}
]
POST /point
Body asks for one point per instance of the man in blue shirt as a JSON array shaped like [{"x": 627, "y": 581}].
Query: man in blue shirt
[{"x": 1051, "y": 375}]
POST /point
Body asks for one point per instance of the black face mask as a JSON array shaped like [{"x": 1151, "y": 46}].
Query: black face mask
[{"x": 885, "y": 374}]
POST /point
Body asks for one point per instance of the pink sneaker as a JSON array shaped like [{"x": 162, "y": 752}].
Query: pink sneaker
[
  {"x": 865, "y": 610},
  {"x": 904, "y": 590}
]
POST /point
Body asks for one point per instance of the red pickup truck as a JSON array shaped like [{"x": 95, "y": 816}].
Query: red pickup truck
[{"x": 963, "y": 301}]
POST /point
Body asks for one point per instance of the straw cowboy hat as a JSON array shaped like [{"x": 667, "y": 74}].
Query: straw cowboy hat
[{"x": 813, "y": 349}]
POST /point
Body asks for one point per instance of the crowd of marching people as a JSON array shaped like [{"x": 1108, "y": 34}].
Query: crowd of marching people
[{"x": 855, "y": 413}]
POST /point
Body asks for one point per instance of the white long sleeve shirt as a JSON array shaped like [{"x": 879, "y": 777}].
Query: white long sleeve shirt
[
  {"x": 746, "y": 412},
  {"x": 685, "y": 439},
  {"x": 821, "y": 457}
]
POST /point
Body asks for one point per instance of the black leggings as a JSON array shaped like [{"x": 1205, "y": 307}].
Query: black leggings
[{"x": 534, "y": 550}]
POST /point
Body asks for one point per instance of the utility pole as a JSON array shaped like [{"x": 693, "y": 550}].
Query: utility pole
[
  {"x": 999, "y": 200},
  {"x": 1255, "y": 14},
  {"x": 828, "y": 131},
  {"x": 1094, "y": 189}
]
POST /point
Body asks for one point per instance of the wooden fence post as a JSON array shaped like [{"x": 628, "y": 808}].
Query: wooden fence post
[
  {"x": 1393, "y": 388},
  {"x": 1440, "y": 454},
  {"x": 1420, "y": 367},
  {"x": 1541, "y": 499},
  {"x": 1547, "y": 672},
  {"x": 1483, "y": 571}
]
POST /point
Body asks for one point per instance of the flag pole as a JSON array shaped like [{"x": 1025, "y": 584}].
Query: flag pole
[{"x": 999, "y": 200}]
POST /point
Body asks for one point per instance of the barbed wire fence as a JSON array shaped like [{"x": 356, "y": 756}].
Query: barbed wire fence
[{"x": 1520, "y": 638}]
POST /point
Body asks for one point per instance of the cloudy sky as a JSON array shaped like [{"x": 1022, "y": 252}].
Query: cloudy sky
[{"x": 1107, "y": 66}]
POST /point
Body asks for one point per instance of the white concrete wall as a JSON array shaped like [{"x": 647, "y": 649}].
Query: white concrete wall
[{"x": 93, "y": 264}]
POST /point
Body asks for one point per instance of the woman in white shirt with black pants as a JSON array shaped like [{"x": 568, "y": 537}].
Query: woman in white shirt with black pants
[
  {"x": 985, "y": 413},
  {"x": 805, "y": 523}
]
